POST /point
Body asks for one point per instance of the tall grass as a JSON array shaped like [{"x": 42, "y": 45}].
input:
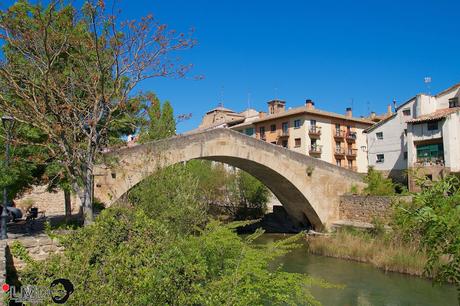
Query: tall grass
[{"x": 381, "y": 251}]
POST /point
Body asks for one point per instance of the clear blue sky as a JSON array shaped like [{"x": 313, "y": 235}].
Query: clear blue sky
[{"x": 329, "y": 51}]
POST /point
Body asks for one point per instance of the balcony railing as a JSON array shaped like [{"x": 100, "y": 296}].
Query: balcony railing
[
  {"x": 339, "y": 134},
  {"x": 351, "y": 153},
  {"x": 315, "y": 149},
  {"x": 430, "y": 161},
  {"x": 339, "y": 152},
  {"x": 314, "y": 131},
  {"x": 351, "y": 136}
]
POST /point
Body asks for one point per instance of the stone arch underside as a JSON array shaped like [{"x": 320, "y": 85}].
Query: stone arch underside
[
  {"x": 308, "y": 188},
  {"x": 288, "y": 194}
]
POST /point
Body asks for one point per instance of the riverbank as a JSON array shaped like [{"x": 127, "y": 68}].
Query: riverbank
[{"x": 381, "y": 251}]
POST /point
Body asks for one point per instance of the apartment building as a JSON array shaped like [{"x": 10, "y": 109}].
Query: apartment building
[
  {"x": 423, "y": 134},
  {"x": 332, "y": 137}
]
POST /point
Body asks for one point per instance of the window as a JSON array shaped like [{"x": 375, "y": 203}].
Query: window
[
  {"x": 262, "y": 131},
  {"x": 285, "y": 143},
  {"x": 272, "y": 127},
  {"x": 350, "y": 164},
  {"x": 297, "y": 124},
  {"x": 453, "y": 102},
  {"x": 405, "y": 155},
  {"x": 432, "y": 126},
  {"x": 406, "y": 112},
  {"x": 405, "y": 132},
  {"x": 285, "y": 127},
  {"x": 380, "y": 158},
  {"x": 313, "y": 142},
  {"x": 379, "y": 135},
  {"x": 430, "y": 152},
  {"x": 312, "y": 123},
  {"x": 337, "y": 128},
  {"x": 338, "y": 162},
  {"x": 297, "y": 142},
  {"x": 249, "y": 131},
  {"x": 348, "y": 128}
]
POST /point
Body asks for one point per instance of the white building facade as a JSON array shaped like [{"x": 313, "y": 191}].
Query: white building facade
[{"x": 423, "y": 134}]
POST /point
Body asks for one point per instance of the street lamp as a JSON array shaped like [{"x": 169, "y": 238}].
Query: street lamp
[{"x": 8, "y": 125}]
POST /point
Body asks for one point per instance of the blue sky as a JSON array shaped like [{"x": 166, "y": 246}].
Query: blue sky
[{"x": 334, "y": 52}]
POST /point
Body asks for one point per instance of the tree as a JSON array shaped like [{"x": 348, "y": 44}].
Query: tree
[
  {"x": 253, "y": 194},
  {"x": 26, "y": 165},
  {"x": 71, "y": 73},
  {"x": 160, "y": 123},
  {"x": 167, "y": 120}
]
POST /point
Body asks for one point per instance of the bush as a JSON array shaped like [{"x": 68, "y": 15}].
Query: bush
[
  {"x": 433, "y": 218},
  {"x": 378, "y": 185},
  {"x": 126, "y": 257}
]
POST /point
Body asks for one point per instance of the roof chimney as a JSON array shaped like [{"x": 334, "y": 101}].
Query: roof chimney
[
  {"x": 389, "y": 110},
  {"x": 349, "y": 113},
  {"x": 372, "y": 115},
  {"x": 309, "y": 104}
]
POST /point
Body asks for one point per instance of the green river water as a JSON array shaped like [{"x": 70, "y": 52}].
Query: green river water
[{"x": 364, "y": 284}]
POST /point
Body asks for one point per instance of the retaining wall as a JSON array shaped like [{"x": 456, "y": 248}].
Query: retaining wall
[{"x": 360, "y": 208}]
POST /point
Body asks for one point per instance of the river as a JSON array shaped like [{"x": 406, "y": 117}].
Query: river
[{"x": 364, "y": 284}]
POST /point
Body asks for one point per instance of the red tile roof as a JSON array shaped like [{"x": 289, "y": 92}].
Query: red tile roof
[{"x": 439, "y": 114}]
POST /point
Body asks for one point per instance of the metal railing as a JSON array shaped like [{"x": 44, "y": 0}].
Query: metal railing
[
  {"x": 315, "y": 149},
  {"x": 314, "y": 130}
]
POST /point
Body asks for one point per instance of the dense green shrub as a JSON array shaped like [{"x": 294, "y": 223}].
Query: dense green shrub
[
  {"x": 433, "y": 218},
  {"x": 378, "y": 185},
  {"x": 126, "y": 257}
]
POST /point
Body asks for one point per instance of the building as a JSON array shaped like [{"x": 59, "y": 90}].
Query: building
[
  {"x": 332, "y": 137},
  {"x": 423, "y": 134},
  {"x": 387, "y": 142},
  {"x": 221, "y": 117}
]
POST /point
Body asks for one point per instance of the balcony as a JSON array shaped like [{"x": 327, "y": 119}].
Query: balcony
[
  {"x": 351, "y": 137},
  {"x": 339, "y": 153},
  {"x": 430, "y": 161},
  {"x": 315, "y": 150},
  {"x": 351, "y": 153},
  {"x": 283, "y": 133},
  {"x": 314, "y": 131},
  {"x": 339, "y": 135}
]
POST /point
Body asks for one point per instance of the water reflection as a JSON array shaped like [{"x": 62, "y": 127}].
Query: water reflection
[{"x": 365, "y": 285}]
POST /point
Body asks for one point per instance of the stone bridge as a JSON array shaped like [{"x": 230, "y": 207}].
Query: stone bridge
[{"x": 308, "y": 188}]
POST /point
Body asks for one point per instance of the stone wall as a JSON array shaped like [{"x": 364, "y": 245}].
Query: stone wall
[
  {"x": 359, "y": 208},
  {"x": 52, "y": 203},
  {"x": 39, "y": 247}
]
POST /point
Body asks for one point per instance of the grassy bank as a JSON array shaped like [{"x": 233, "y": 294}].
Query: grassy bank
[{"x": 379, "y": 250}]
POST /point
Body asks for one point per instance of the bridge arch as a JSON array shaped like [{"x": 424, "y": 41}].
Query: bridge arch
[{"x": 308, "y": 188}]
